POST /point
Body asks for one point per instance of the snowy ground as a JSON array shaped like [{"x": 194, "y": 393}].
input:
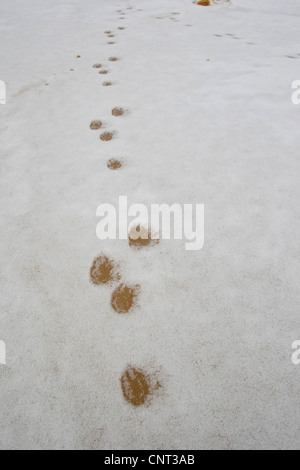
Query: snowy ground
[{"x": 216, "y": 325}]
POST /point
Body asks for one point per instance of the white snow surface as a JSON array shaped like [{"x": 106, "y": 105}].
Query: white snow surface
[{"x": 216, "y": 325}]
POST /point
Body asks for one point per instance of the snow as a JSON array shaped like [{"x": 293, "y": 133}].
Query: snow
[{"x": 216, "y": 325}]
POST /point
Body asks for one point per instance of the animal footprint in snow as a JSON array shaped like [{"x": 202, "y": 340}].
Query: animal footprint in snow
[
  {"x": 95, "y": 125},
  {"x": 107, "y": 136},
  {"x": 114, "y": 164},
  {"x": 113, "y": 59},
  {"x": 140, "y": 237},
  {"x": 118, "y": 112},
  {"x": 138, "y": 386},
  {"x": 107, "y": 83},
  {"x": 103, "y": 271},
  {"x": 97, "y": 66},
  {"x": 205, "y": 3},
  {"x": 103, "y": 72},
  {"x": 124, "y": 298}
]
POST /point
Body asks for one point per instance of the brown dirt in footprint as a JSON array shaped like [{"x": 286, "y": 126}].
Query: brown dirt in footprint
[
  {"x": 118, "y": 112},
  {"x": 205, "y": 3},
  {"x": 95, "y": 125},
  {"x": 111, "y": 42},
  {"x": 107, "y": 32},
  {"x": 124, "y": 297},
  {"x": 103, "y": 271},
  {"x": 97, "y": 66},
  {"x": 107, "y": 84},
  {"x": 111, "y": 36},
  {"x": 140, "y": 237},
  {"x": 121, "y": 28},
  {"x": 103, "y": 72},
  {"x": 114, "y": 164},
  {"x": 106, "y": 136},
  {"x": 138, "y": 386},
  {"x": 113, "y": 59}
]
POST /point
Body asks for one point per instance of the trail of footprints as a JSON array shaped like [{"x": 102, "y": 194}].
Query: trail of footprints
[{"x": 138, "y": 386}]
